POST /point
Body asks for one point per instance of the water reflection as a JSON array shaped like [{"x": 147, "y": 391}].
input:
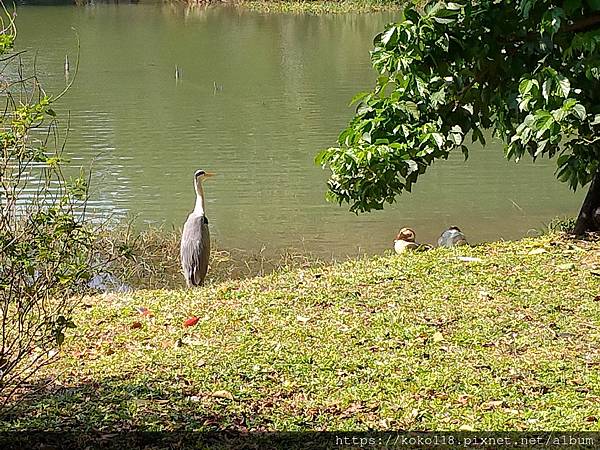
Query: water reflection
[{"x": 257, "y": 96}]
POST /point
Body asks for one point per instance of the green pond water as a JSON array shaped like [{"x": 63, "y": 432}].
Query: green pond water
[{"x": 258, "y": 96}]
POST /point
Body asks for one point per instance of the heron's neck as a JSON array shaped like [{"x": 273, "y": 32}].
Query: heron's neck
[{"x": 199, "y": 208}]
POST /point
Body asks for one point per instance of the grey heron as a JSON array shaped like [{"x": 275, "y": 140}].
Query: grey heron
[
  {"x": 195, "y": 239},
  {"x": 452, "y": 237}
]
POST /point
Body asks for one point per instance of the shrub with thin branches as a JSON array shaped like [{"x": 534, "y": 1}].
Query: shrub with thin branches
[{"x": 46, "y": 252}]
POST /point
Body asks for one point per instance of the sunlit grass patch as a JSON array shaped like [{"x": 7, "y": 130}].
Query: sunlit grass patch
[{"x": 508, "y": 339}]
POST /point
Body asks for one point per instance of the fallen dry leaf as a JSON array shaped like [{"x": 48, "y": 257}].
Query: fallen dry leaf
[
  {"x": 567, "y": 266},
  {"x": 463, "y": 399},
  {"x": 223, "y": 394},
  {"x": 492, "y": 404},
  {"x": 135, "y": 325},
  {"x": 352, "y": 409},
  {"x": 302, "y": 319},
  {"x": 437, "y": 337},
  {"x": 190, "y": 322}
]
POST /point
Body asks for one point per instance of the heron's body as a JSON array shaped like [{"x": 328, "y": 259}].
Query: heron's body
[
  {"x": 195, "y": 239},
  {"x": 452, "y": 237}
]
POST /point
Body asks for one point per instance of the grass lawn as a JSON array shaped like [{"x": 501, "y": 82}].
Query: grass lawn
[{"x": 423, "y": 341}]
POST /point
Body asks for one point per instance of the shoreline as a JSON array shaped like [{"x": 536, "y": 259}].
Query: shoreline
[{"x": 318, "y": 7}]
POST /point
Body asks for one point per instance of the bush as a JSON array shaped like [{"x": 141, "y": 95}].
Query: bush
[{"x": 45, "y": 249}]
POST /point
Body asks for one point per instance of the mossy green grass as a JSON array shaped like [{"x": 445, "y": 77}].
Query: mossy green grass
[{"x": 499, "y": 336}]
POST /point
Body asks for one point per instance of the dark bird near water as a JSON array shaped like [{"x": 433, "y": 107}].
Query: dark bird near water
[
  {"x": 195, "y": 239},
  {"x": 452, "y": 237}
]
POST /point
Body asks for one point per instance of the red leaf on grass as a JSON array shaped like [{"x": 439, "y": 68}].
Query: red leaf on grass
[{"x": 190, "y": 322}]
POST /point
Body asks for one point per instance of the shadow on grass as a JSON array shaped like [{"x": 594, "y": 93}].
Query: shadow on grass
[{"x": 133, "y": 415}]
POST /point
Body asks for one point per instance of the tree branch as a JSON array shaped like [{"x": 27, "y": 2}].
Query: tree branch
[{"x": 583, "y": 24}]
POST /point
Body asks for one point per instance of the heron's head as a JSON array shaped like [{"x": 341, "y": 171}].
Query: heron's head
[
  {"x": 201, "y": 175},
  {"x": 455, "y": 228},
  {"x": 406, "y": 234}
]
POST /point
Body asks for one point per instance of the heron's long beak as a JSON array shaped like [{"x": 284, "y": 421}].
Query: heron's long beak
[{"x": 209, "y": 174}]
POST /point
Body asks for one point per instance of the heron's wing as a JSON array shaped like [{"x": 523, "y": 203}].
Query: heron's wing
[
  {"x": 204, "y": 252},
  {"x": 195, "y": 249}
]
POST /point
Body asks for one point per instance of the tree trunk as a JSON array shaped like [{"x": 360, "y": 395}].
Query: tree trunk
[{"x": 589, "y": 215}]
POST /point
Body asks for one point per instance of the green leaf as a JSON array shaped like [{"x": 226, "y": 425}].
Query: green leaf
[
  {"x": 569, "y": 103},
  {"x": 411, "y": 108},
  {"x": 363, "y": 109},
  {"x": 579, "y": 111},
  {"x": 358, "y": 97},
  {"x": 468, "y": 108},
  {"x": 412, "y": 166},
  {"x": 562, "y": 160},
  {"x": 390, "y": 36},
  {"x": 543, "y": 120},
  {"x": 559, "y": 114},
  {"x": 456, "y": 135},
  {"x": 564, "y": 85},
  {"x": 438, "y": 97},
  {"x": 525, "y": 6},
  {"x": 439, "y": 139},
  {"x": 525, "y": 86},
  {"x": 444, "y": 20},
  {"x": 546, "y": 88},
  {"x": 322, "y": 157}
]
